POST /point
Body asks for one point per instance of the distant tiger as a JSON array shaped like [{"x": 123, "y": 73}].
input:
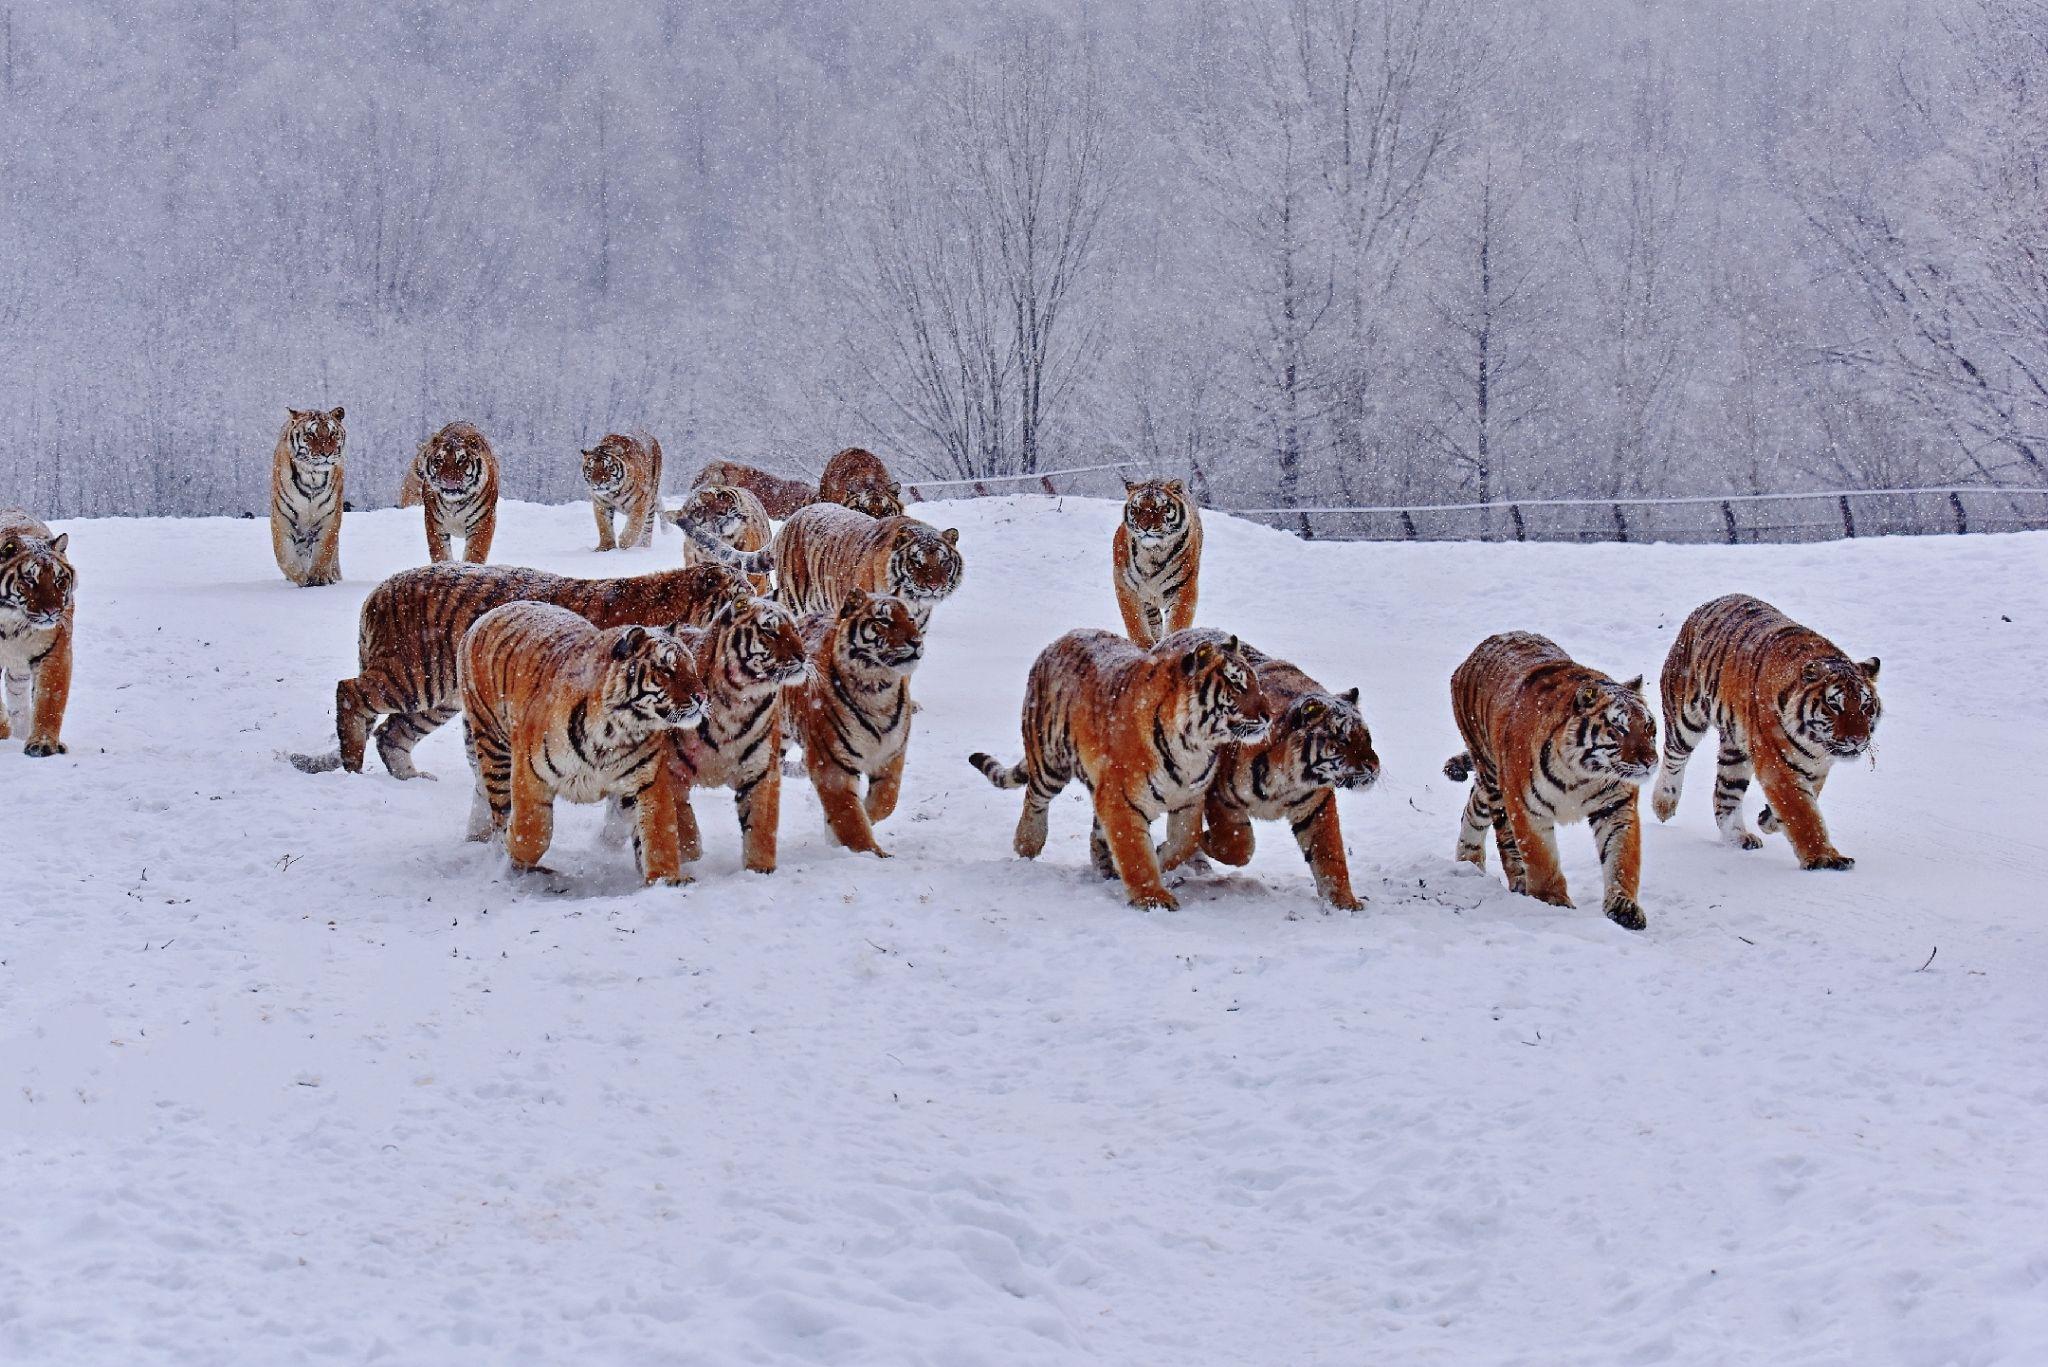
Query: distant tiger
[
  {"x": 1157, "y": 559},
  {"x": 455, "y": 479},
  {"x": 826, "y": 551},
  {"x": 852, "y": 711},
  {"x": 779, "y": 496},
  {"x": 1318, "y": 743},
  {"x": 412, "y": 624},
  {"x": 1789, "y": 705},
  {"x": 1142, "y": 730},
  {"x": 555, "y": 707},
  {"x": 1551, "y": 742},
  {"x": 732, "y": 515},
  {"x": 38, "y": 607},
  {"x": 623, "y": 474},
  {"x": 306, "y": 496},
  {"x": 857, "y": 479}
]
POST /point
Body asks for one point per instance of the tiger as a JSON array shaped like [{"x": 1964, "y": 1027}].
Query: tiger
[
  {"x": 624, "y": 475},
  {"x": 852, "y": 711},
  {"x": 1143, "y": 730},
  {"x": 1551, "y": 741},
  {"x": 1788, "y": 705},
  {"x": 858, "y": 480},
  {"x": 1157, "y": 557},
  {"x": 746, "y": 654},
  {"x": 305, "y": 497},
  {"x": 779, "y": 496},
  {"x": 38, "y": 607},
  {"x": 555, "y": 707},
  {"x": 412, "y": 623},
  {"x": 826, "y": 550},
  {"x": 730, "y": 513},
  {"x": 1318, "y": 743},
  {"x": 455, "y": 479}
]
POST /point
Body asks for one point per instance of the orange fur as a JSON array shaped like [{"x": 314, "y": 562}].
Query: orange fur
[
  {"x": 779, "y": 496},
  {"x": 852, "y": 711},
  {"x": 306, "y": 497},
  {"x": 624, "y": 477},
  {"x": 733, "y": 515},
  {"x": 38, "y": 617},
  {"x": 1157, "y": 559},
  {"x": 454, "y": 478},
  {"x": 858, "y": 480}
]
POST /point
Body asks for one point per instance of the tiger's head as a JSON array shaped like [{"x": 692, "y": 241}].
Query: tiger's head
[
  {"x": 1227, "y": 702},
  {"x": 454, "y": 460},
  {"x": 1610, "y": 732},
  {"x": 604, "y": 466},
  {"x": 652, "y": 679},
  {"x": 717, "y": 508},
  {"x": 1834, "y": 705},
  {"x": 707, "y": 586},
  {"x": 878, "y": 631},
  {"x": 36, "y": 580},
  {"x": 1322, "y": 741},
  {"x": 876, "y": 499},
  {"x": 925, "y": 562},
  {"x": 1155, "y": 509},
  {"x": 761, "y": 640},
  {"x": 316, "y": 439}
]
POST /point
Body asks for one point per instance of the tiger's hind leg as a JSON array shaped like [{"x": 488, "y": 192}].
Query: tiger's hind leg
[
  {"x": 1098, "y": 852},
  {"x": 492, "y": 765},
  {"x": 1482, "y": 814},
  {"x": 398, "y": 733},
  {"x": 1731, "y": 782},
  {"x": 1039, "y": 790},
  {"x": 1685, "y": 725}
]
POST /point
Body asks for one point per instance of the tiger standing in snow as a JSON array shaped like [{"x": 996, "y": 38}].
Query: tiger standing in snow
[
  {"x": 852, "y": 711},
  {"x": 857, "y": 479},
  {"x": 38, "y": 606},
  {"x": 732, "y": 515},
  {"x": 454, "y": 478},
  {"x": 1551, "y": 742},
  {"x": 1789, "y": 705},
  {"x": 555, "y": 707},
  {"x": 306, "y": 496},
  {"x": 1157, "y": 559},
  {"x": 827, "y": 550},
  {"x": 779, "y": 496},
  {"x": 624, "y": 477}
]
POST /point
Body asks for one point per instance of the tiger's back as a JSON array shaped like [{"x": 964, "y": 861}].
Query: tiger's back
[
  {"x": 779, "y": 496},
  {"x": 826, "y": 551}
]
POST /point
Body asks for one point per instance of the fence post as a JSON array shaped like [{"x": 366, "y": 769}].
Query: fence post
[
  {"x": 1521, "y": 532},
  {"x": 1045, "y": 482},
  {"x": 1620, "y": 524},
  {"x": 1728, "y": 516},
  {"x": 1848, "y": 520},
  {"x": 1407, "y": 526},
  {"x": 1955, "y": 500},
  {"x": 980, "y": 489},
  {"x": 1308, "y": 533}
]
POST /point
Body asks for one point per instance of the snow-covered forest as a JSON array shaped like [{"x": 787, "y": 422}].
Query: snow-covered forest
[{"x": 1339, "y": 250}]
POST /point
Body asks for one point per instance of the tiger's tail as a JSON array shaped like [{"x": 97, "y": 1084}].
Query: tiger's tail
[
  {"x": 314, "y": 764},
  {"x": 746, "y": 562},
  {"x": 992, "y": 769},
  {"x": 1458, "y": 767}
]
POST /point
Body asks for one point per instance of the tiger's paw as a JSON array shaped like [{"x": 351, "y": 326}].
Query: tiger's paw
[
  {"x": 1664, "y": 804},
  {"x": 1768, "y": 819},
  {"x": 1746, "y": 840},
  {"x": 1346, "y": 902},
  {"x": 1155, "y": 899},
  {"x": 1833, "y": 859},
  {"x": 1624, "y": 912},
  {"x": 43, "y": 749}
]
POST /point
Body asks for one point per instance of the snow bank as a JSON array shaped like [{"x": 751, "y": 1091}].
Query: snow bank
[{"x": 290, "y": 1073}]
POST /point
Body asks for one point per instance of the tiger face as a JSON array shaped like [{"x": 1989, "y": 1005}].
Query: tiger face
[
  {"x": 317, "y": 438},
  {"x": 455, "y": 460},
  {"x": 1835, "y": 706},
  {"x": 876, "y": 500},
  {"x": 36, "y": 581},
  {"x": 880, "y": 632},
  {"x": 1325, "y": 742},
  {"x": 926, "y": 563},
  {"x": 604, "y": 467},
  {"x": 1228, "y": 702},
  {"x": 716, "y": 507},
  {"x": 1610, "y": 732},
  {"x": 1155, "y": 510},
  {"x": 763, "y": 639},
  {"x": 653, "y": 679}
]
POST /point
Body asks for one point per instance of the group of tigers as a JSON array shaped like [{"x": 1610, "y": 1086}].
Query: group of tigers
[{"x": 635, "y": 691}]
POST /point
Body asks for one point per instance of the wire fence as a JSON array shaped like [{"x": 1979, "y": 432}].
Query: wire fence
[{"x": 1730, "y": 519}]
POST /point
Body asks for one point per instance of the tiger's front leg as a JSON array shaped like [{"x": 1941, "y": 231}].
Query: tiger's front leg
[
  {"x": 640, "y": 521},
  {"x": 437, "y": 540},
  {"x": 656, "y": 839},
  {"x": 1794, "y": 811},
  {"x": 604, "y": 525},
  {"x": 885, "y": 788},
  {"x": 1227, "y": 835},
  {"x": 760, "y": 804},
  {"x": 1128, "y": 837},
  {"x": 838, "y": 794},
  {"x": 50, "y": 679},
  {"x": 476, "y": 547},
  {"x": 1135, "y": 614},
  {"x": 1536, "y": 848},
  {"x": 1181, "y": 611},
  {"x": 1322, "y": 845},
  {"x": 1618, "y": 833},
  {"x": 532, "y": 828},
  {"x": 1183, "y": 835}
]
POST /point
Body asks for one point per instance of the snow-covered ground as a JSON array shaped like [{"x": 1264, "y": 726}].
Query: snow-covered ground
[{"x": 290, "y": 1073}]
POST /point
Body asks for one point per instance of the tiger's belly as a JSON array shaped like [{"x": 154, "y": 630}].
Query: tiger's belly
[{"x": 21, "y": 645}]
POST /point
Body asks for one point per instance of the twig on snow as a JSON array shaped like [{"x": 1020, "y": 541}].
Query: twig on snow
[{"x": 1930, "y": 959}]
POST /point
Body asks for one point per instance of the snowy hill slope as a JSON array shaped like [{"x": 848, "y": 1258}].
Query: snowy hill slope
[{"x": 290, "y": 1073}]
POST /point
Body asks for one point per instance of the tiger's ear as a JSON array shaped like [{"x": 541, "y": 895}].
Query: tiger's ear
[
  {"x": 293, "y": 413},
  {"x": 1197, "y": 657},
  {"x": 855, "y": 599},
  {"x": 1350, "y": 695},
  {"x": 631, "y": 641},
  {"x": 1128, "y": 484},
  {"x": 1233, "y": 645},
  {"x": 895, "y": 489},
  {"x": 63, "y": 539},
  {"x": 1175, "y": 486},
  {"x": 1869, "y": 668},
  {"x": 951, "y": 536},
  {"x": 1588, "y": 698},
  {"x": 1813, "y": 672},
  {"x": 1635, "y": 685},
  {"x": 335, "y": 413}
]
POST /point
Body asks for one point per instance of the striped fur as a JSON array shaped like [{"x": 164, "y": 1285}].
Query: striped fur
[
  {"x": 857, "y": 479},
  {"x": 1143, "y": 731},
  {"x": 826, "y": 551},
  {"x": 779, "y": 496},
  {"x": 555, "y": 707},
  {"x": 746, "y": 654},
  {"x": 1157, "y": 559},
  {"x": 1551, "y": 742},
  {"x": 852, "y": 711},
  {"x": 412, "y": 623},
  {"x": 1318, "y": 743},
  {"x": 1788, "y": 706},
  {"x": 455, "y": 479},
  {"x": 306, "y": 502},
  {"x": 623, "y": 474},
  {"x": 38, "y": 615},
  {"x": 731, "y": 514}
]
